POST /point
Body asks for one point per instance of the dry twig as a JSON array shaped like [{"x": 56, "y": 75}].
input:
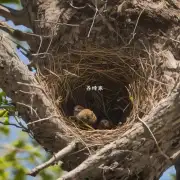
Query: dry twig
[
  {"x": 159, "y": 149},
  {"x": 43, "y": 119},
  {"x": 133, "y": 33},
  {"x": 62, "y": 153}
]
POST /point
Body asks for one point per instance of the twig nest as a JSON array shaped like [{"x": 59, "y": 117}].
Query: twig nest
[{"x": 129, "y": 79}]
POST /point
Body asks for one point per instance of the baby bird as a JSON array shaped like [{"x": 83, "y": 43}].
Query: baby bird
[
  {"x": 104, "y": 124},
  {"x": 85, "y": 115}
]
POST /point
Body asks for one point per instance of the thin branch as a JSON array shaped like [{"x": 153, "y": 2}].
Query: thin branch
[
  {"x": 31, "y": 85},
  {"x": 8, "y": 106},
  {"x": 175, "y": 156},
  {"x": 35, "y": 86},
  {"x": 58, "y": 23},
  {"x": 19, "y": 17},
  {"x": 133, "y": 33},
  {"x": 176, "y": 85},
  {"x": 30, "y": 107},
  {"x": 94, "y": 161},
  {"x": 58, "y": 156},
  {"x": 43, "y": 119},
  {"x": 17, "y": 34},
  {"x": 158, "y": 82},
  {"x": 75, "y": 7},
  {"x": 96, "y": 10},
  {"x": 159, "y": 149},
  {"x": 11, "y": 148},
  {"x": 23, "y": 36},
  {"x": 174, "y": 40},
  {"x": 25, "y": 129},
  {"x": 25, "y": 92},
  {"x": 10, "y": 124},
  {"x": 20, "y": 126}
]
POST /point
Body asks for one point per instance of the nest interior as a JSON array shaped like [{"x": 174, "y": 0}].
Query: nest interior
[
  {"x": 93, "y": 81},
  {"x": 130, "y": 78},
  {"x": 111, "y": 103}
]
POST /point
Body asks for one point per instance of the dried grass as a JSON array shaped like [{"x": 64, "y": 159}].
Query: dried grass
[{"x": 134, "y": 68}]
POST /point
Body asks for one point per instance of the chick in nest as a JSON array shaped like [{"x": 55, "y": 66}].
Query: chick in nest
[
  {"x": 104, "y": 124},
  {"x": 85, "y": 115}
]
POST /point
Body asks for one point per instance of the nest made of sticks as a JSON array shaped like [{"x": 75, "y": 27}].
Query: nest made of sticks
[{"x": 132, "y": 85}]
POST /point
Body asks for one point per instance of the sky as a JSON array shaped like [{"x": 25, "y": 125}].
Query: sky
[{"x": 14, "y": 131}]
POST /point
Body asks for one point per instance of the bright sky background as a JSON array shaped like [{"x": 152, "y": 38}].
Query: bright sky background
[{"x": 15, "y": 131}]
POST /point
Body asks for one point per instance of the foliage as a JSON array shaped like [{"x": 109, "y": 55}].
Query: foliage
[
  {"x": 10, "y": 1},
  {"x": 173, "y": 176},
  {"x": 4, "y": 113},
  {"x": 21, "y": 154}
]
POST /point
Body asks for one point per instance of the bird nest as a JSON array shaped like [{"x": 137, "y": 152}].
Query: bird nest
[{"x": 117, "y": 84}]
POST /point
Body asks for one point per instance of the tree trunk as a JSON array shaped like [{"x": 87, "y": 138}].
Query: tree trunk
[{"x": 30, "y": 97}]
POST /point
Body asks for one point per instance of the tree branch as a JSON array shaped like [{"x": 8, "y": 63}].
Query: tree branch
[
  {"x": 31, "y": 38},
  {"x": 165, "y": 113},
  {"x": 20, "y": 17},
  {"x": 58, "y": 156},
  {"x": 10, "y": 124},
  {"x": 12, "y": 71}
]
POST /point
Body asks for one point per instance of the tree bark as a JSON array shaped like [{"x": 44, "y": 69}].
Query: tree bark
[
  {"x": 177, "y": 167},
  {"x": 32, "y": 101},
  {"x": 133, "y": 155}
]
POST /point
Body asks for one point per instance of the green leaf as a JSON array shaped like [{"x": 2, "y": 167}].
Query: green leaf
[
  {"x": 4, "y": 130},
  {"x": 4, "y": 164},
  {"x": 131, "y": 98},
  {"x": 11, "y": 157},
  {"x": 19, "y": 143},
  {"x": 2, "y": 96},
  {"x": 3, "y": 113},
  {"x": 5, "y": 101},
  {"x": 45, "y": 175},
  {"x": 4, "y": 174},
  {"x": 52, "y": 172},
  {"x": 19, "y": 174},
  {"x": 4, "y": 116},
  {"x": 9, "y": 1},
  {"x": 31, "y": 158},
  {"x": 6, "y": 120},
  {"x": 28, "y": 147},
  {"x": 172, "y": 176}
]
